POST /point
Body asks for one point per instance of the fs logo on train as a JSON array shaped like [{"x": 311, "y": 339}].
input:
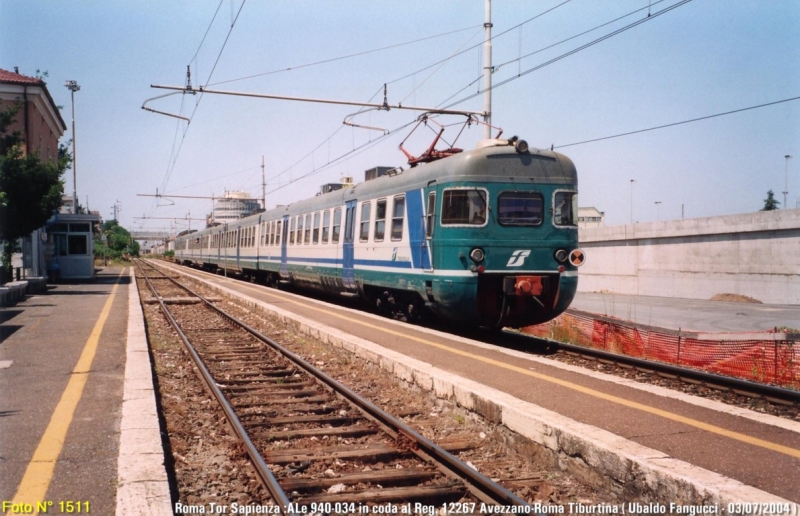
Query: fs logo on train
[{"x": 518, "y": 257}]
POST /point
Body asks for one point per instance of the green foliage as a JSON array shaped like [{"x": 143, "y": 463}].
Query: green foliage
[
  {"x": 169, "y": 253},
  {"x": 118, "y": 242},
  {"x": 770, "y": 203},
  {"x": 30, "y": 189}
]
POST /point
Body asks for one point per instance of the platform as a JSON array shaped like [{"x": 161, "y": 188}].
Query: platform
[
  {"x": 677, "y": 447},
  {"x": 63, "y": 366},
  {"x": 689, "y": 314}
]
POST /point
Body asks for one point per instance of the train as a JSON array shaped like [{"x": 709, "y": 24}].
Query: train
[{"x": 483, "y": 237}]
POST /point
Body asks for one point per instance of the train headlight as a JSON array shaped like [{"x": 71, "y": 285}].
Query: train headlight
[
  {"x": 521, "y": 146},
  {"x": 560, "y": 256},
  {"x": 476, "y": 255}
]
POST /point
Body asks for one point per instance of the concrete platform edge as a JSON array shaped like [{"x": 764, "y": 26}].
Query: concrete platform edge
[
  {"x": 577, "y": 446},
  {"x": 142, "y": 485}
]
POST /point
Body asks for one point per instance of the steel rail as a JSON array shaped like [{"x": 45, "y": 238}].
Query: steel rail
[
  {"x": 270, "y": 482},
  {"x": 477, "y": 483},
  {"x": 683, "y": 372},
  {"x": 761, "y": 389}
]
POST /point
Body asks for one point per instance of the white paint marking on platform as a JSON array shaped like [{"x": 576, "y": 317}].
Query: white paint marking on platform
[{"x": 5, "y": 364}]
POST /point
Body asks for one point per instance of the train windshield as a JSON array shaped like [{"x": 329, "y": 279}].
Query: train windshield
[
  {"x": 520, "y": 208},
  {"x": 565, "y": 208},
  {"x": 464, "y": 206}
]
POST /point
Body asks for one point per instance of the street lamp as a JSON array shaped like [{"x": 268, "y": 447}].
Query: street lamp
[
  {"x": 786, "y": 182},
  {"x": 72, "y": 86},
  {"x": 657, "y": 203}
]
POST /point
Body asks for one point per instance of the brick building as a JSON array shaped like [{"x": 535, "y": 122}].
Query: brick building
[
  {"x": 66, "y": 239},
  {"x": 38, "y": 120}
]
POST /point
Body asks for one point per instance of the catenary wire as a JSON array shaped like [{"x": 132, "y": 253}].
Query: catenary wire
[
  {"x": 677, "y": 123},
  {"x": 571, "y": 52},
  {"x": 197, "y": 104},
  {"x": 348, "y": 56}
]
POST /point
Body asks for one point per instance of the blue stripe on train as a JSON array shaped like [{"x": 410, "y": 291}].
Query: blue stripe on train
[{"x": 416, "y": 230}]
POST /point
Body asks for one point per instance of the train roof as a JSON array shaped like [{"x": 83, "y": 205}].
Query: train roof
[{"x": 495, "y": 161}]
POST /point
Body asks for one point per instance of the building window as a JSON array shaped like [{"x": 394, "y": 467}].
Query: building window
[{"x": 77, "y": 244}]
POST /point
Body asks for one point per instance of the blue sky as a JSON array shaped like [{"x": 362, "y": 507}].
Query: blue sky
[{"x": 702, "y": 58}]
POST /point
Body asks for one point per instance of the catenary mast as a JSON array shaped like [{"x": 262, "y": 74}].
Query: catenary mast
[{"x": 487, "y": 70}]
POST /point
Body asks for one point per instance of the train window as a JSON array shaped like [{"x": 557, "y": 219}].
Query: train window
[
  {"x": 272, "y": 233},
  {"x": 565, "y": 208},
  {"x": 291, "y": 230},
  {"x": 430, "y": 217},
  {"x": 398, "y": 214},
  {"x": 337, "y": 225},
  {"x": 520, "y": 208},
  {"x": 278, "y": 234},
  {"x": 326, "y": 224},
  {"x": 464, "y": 206},
  {"x": 315, "y": 236},
  {"x": 380, "y": 220},
  {"x": 365, "y": 212},
  {"x": 307, "y": 238}
]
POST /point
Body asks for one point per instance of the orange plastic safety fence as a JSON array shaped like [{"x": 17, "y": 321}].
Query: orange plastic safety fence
[{"x": 766, "y": 361}]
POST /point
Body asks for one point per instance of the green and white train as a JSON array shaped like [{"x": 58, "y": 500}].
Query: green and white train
[{"x": 486, "y": 237}]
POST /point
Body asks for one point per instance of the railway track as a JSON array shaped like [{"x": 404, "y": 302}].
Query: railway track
[
  {"x": 311, "y": 439},
  {"x": 738, "y": 392}
]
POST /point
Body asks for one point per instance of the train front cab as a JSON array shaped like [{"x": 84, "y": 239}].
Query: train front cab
[{"x": 506, "y": 253}]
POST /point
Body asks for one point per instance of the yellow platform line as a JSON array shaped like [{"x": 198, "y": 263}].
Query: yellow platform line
[
  {"x": 36, "y": 480},
  {"x": 787, "y": 450}
]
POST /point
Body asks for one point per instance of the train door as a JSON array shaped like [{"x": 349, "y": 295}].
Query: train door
[
  {"x": 220, "y": 239},
  {"x": 430, "y": 222},
  {"x": 238, "y": 234},
  {"x": 284, "y": 232},
  {"x": 348, "y": 251}
]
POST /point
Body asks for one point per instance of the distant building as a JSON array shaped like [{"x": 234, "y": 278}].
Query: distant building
[
  {"x": 38, "y": 120},
  {"x": 591, "y": 217},
  {"x": 232, "y": 206}
]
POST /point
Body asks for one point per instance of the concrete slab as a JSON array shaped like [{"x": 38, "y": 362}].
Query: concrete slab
[
  {"x": 142, "y": 485},
  {"x": 689, "y": 314}
]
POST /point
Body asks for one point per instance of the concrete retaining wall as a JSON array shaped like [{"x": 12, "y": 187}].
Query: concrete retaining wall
[{"x": 751, "y": 254}]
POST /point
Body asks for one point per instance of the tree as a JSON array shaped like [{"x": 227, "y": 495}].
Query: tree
[
  {"x": 117, "y": 243},
  {"x": 770, "y": 203},
  {"x": 30, "y": 189}
]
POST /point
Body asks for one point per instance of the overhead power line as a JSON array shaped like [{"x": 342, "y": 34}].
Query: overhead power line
[
  {"x": 348, "y": 56},
  {"x": 677, "y": 123},
  {"x": 573, "y": 51}
]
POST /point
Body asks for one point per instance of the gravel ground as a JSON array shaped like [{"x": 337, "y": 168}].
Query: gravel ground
[{"x": 209, "y": 465}]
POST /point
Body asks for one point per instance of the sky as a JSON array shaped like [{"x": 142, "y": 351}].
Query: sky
[{"x": 697, "y": 59}]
